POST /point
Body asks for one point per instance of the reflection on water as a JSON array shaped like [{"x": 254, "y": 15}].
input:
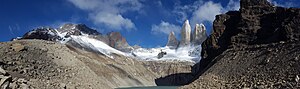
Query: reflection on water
[{"x": 152, "y": 87}]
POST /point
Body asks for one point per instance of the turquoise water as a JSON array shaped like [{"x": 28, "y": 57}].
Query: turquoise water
[{"x": 152, "y": 87}]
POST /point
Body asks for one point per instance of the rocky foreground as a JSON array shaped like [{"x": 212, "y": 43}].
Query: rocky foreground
[
  {"x": 43, "y": 64},
  {"x": 256, "y": 47}
]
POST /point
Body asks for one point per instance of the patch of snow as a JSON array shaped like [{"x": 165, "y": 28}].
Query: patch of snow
[
  {"x": 85, "y": 41},
  {"x": 51, "y": 33},
  {"x": 96, "y": 45},
  {"x": 63, "y": 39},
  {"x": 29, "y": 33},
  {"x": 73, "y": 28},
  {"x": 187, "y": 53}
]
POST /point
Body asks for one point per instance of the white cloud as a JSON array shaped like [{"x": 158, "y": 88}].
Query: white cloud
[
  {"x": 206, "y": 12},
  {"x": 165, "y": 28},
  {"x": 233, "y": 5},
  {"x": 159, "y": 3},
  {"x": 182, "y": 12},
  {"x": 109, "y": 12},
  {"x": 200, "y": 11},
  {"x": 114, "y": 21},
  {"x": 13, "y": 29}
]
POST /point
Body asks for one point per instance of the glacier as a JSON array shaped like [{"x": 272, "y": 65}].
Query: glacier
[{"x": 186, "y": 53}]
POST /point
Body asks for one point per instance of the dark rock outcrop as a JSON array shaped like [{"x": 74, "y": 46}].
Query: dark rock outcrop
[
  {"x": 42, "y": 33},
  {"x": 258, "y": 23},
  {"x": 77, "y": 29},
  {"x": 172, "y": 41}
]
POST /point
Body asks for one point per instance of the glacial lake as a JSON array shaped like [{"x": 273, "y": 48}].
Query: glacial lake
[{"x": 151, "y": 87}]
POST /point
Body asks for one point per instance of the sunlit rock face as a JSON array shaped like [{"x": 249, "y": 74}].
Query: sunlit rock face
[
  {"x": 116, "y": 40},
  {"x": 199, "y": 34},
  {"x": 172, "y": 41},
  {"x": 185, "y": 34}
]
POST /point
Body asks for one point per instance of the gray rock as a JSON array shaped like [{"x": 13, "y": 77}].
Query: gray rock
[
  {"x": 172, "y": 41},
  {"x": 3, "y": 72},
  {"x": 4, "y": 81},
  {"x": 24, "y": 86},
  {"x": 161, "y": 54},
  {"x": 296, "y": 58},
  {"x": 199, "y": 34},
  {"x": 17, "y": 47},
  {"x": 297, "y": 78},
  {"x": 5, "y": 85},
  {"x": 116, "y": 40},
  {"x": 63, "y": 86},
  {"x": 185, "y": 34},
  {"x": 43, "y": 33},
  {"x": 77, "y": 29}
]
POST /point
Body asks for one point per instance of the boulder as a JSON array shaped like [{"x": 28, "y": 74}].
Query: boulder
[
  {"x": 2, "y": 72},
  {"x": 7, "y": 81}
]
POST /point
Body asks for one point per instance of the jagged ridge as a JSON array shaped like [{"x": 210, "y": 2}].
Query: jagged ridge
[{"x": 250, "y": 45}]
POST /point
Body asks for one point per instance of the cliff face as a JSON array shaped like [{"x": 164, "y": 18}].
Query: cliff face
[
  {"x": 185, "y": 34},
  {"x": 116, "y": 40},
  {"x": 257, "y": 22},
  {"x": 199, "y": 34},
  {"x": 188, "y": 37},
  {"x": 256, "y": 34},
  {"x": 172, "y": 41}
]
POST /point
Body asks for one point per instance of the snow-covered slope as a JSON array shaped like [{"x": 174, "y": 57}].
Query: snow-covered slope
[
  {"x": 90, "y": 43},
  {"x": 96, "y": 45},
  {"x": 85, "y": 38},
  {"x": 188, "y": 53}
]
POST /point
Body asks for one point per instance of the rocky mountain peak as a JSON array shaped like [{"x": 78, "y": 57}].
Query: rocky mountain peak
[
  {"x": 186, "y": 22},
  {"x": 258, "y": 34},
  {"x": 116, "y": 40},
  {"x": 44, "y": 33},
  {"x": 258, "y": 3},
  {"x": 199, "y": 34},
  {"x": 257, "y": 23},
  {"x": 172, "y": 41},
  {"x": 255, "y": 7},
  {"x": 185, "y": 34},
  {"x": 62, "y": 34},
  {"x": 77, "y": 29}
]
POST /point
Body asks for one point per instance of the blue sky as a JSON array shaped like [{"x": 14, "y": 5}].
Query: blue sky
[{"x": 142, "y": 22}]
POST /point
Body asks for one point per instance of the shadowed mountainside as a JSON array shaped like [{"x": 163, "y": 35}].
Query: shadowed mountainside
[{"x": 255, "y": 47}]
